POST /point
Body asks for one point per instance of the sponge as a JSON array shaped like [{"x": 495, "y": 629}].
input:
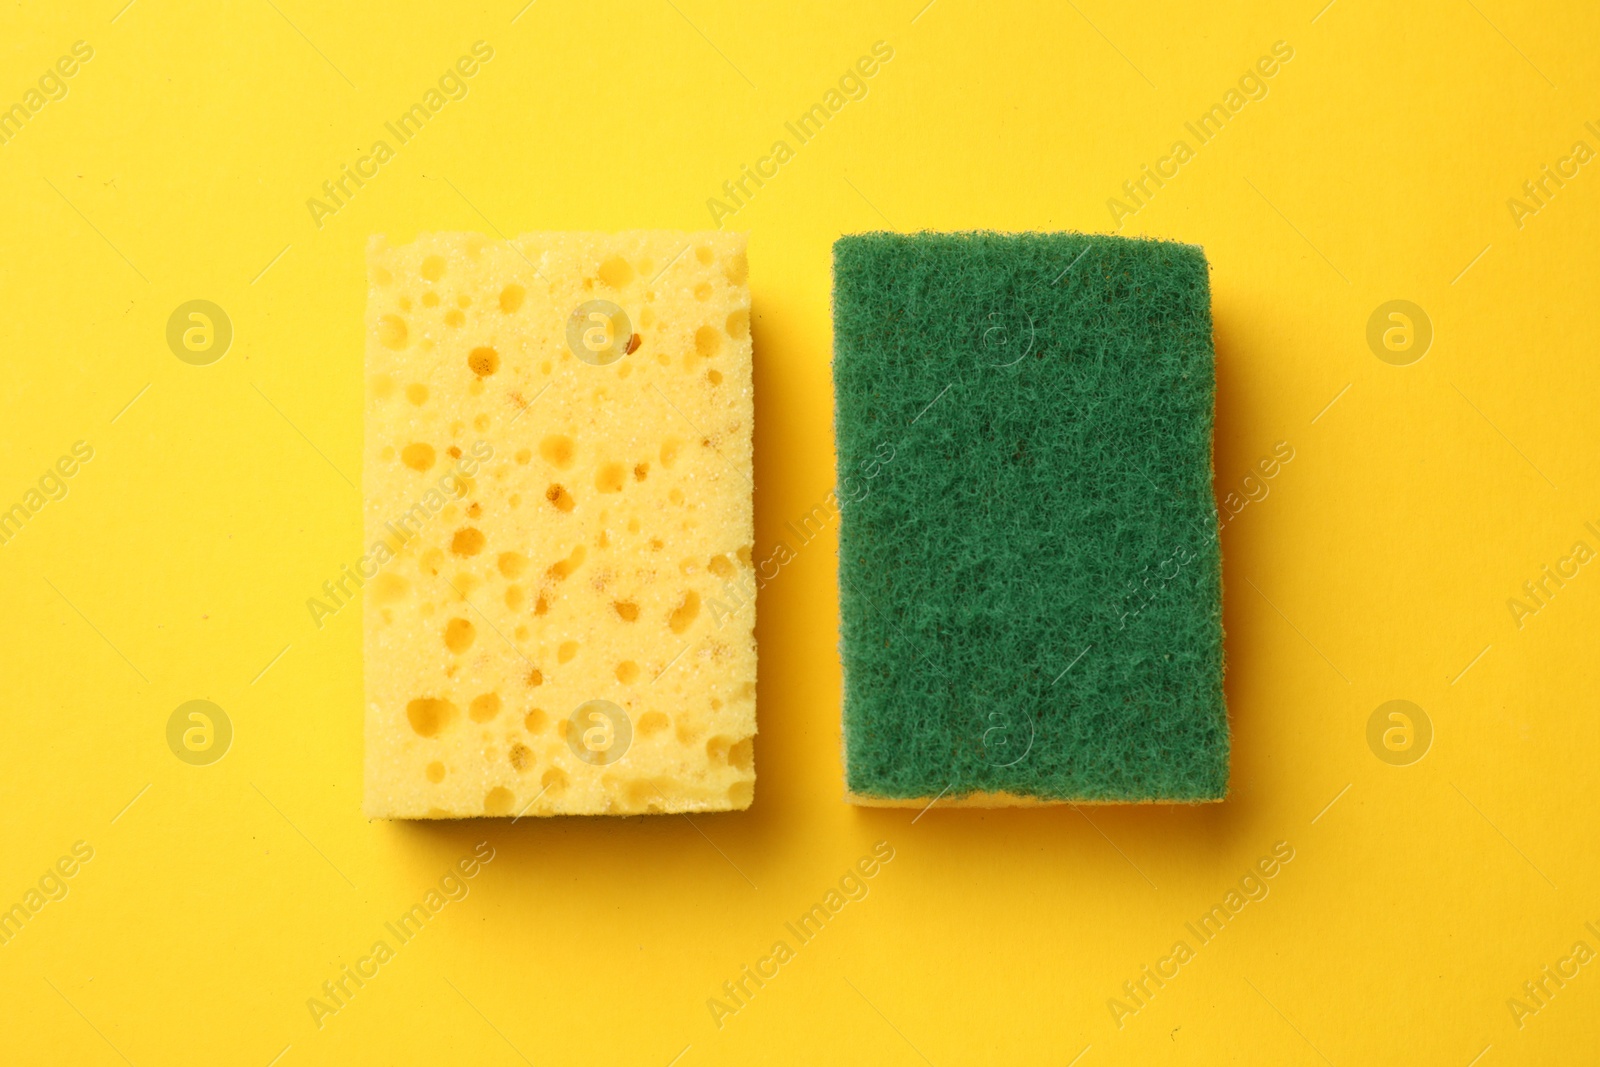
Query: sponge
[
  {"x": 1029, "y": 570},
  {"x": 558, "y": 490}
]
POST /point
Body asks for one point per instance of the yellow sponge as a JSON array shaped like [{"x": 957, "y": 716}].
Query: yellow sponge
[{"x": 557, "y": 497}]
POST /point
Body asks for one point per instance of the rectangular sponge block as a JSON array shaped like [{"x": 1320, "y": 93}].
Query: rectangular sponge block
[
  {"x": 1029, "y": 571},
  {"x": 557, "y": 485}
]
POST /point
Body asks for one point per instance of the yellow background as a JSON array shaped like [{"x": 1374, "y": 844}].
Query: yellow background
[{"x": 1378, "y": 567}]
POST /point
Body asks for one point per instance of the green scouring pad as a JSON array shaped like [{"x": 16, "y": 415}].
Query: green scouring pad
[{"x": 1029, "y": 571}]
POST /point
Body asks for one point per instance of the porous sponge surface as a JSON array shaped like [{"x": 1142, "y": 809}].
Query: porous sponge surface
[
  {"x": 1030, "y": 577},
  {"x": 548, "y": 531}
]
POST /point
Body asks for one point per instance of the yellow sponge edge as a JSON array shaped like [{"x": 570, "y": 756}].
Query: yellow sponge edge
[{"x": 557, "y": 490}]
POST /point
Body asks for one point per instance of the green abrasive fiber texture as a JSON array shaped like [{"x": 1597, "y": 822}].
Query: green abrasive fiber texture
[{"x": 1030, "y": 577}]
